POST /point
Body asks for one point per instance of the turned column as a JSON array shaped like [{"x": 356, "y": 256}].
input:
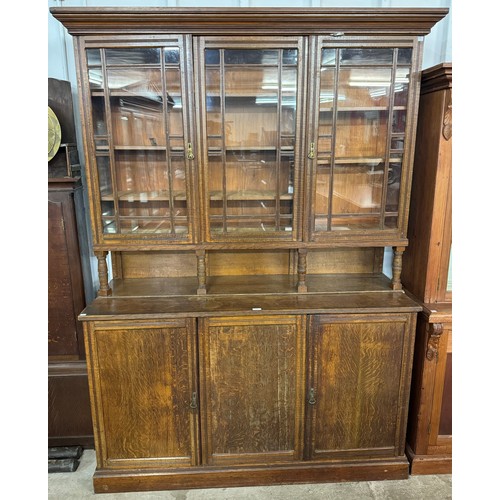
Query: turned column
[
  {"x": 202, "y": 272},
  {"x": 302, "y": 270},
  {"x": 102, "y": 268},
  {"x": 397, "y": 266}
]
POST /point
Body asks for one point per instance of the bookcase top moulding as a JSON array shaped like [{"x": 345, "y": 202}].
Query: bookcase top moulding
[{"x": 351, "y": 21}]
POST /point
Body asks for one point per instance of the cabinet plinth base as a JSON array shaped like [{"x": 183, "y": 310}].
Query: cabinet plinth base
[
  {"x": 106, "y": 481},
  {"x": 429, "y": 464}
]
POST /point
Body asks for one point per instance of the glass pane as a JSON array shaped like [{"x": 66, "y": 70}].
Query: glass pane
[
  {"x": 94, "y": 57},
  {"x": 290, "y": 56},
  {"x": 95, "y": 78},
  {"x": 364, "y": 87},
  {"x": 175, "y": 121},
  {"x": 141, "y": 174},
  {"x": 263, "y": 118},
  {"x": 171, "y": 55},
  {"x": 328, "y": 57},
  {"x": 391, "y": 222},
  {"x": 366, "y": 56},
  {"x": 137, "y": 121},
  {"x": 212, "y": 82},
  {"x": 136, "y": 225},
  {"x": 357, "y": 188},
  {"x": 398, "y": 121},
  {"x": 393, "y": 185},
  {"x": 250, "y": 56},
  {"x": 132, "y": 56},
  {"x": 251, "y": 81},
  {"x": 104, "y": 176},
  {"x": 147, "y": 191},
  {"x": 143, "y": 82},
  {"x": 401, "y": 84},
  {"x": 212, "y": 56},
  {"x": 361, "y": 134},
  {"x": 99, "y": 116},
  {"x": 109, "y": 226},
  {"x": 251, "y": 123},
  {"x": 404, "y": 56}
]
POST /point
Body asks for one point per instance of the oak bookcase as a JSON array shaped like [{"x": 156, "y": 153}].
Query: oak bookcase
[{"x": 246, "y": 169}]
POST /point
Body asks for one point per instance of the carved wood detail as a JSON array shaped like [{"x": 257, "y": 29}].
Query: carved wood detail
[
  {"x": 447, "y": 118},
  {"x": 435, "y": 331}
]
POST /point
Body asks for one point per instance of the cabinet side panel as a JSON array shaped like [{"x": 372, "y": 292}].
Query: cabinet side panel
[
  {"x": 415, "y": 274},
  {"x": 358, "y": 376},
  {"x": 144, "y": 387}
]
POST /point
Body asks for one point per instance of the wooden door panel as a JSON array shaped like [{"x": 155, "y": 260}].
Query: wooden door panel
[
  {"x": 252, "y": 387},
  {"x": 144, "y": 382},
  {"x": 357, "y": 375}
]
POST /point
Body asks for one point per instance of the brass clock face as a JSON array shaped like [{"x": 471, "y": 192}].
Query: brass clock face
[{"x": 54, "y": 134}]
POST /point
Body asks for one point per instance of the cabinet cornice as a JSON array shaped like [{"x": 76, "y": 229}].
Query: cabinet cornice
[{"x": 412, "y": 22}]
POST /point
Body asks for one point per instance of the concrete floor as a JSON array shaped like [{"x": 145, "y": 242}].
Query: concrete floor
[{"x": 78, "y": 485}]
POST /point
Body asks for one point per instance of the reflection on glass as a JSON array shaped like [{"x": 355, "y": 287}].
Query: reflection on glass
[
  {"x": 250, "y": 118},
  {"x": 361, "y": 131},
  {"x": 393, "y": 185},
  {"x": 94, "y": 57},
  {"x": 141, "y": 164},
  {"x": 366, "y": 56},
  {"x": 132, "y": 56}
]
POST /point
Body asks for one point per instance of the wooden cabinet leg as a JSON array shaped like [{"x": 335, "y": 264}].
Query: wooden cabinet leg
[{"x": 102, "y": 268}]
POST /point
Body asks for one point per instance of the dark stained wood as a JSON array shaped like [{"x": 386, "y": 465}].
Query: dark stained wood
[
  {"x": 249, "y": 366},
  {"x": 217, "y": 477},
  {"x": 68, "y": 403},
  {"x": 69, "y": 418},
  {"x": 143, "y": 386},
  {"x": 424, "y": 276},
  {"x": 413, "y": 22},
  {"x": 445, "y": 428},
  {"x": 65, "y": 280}
]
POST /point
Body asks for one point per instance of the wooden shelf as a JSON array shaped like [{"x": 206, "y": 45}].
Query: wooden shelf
[
  {"x": 250, "y": 195},
  {"x": 168, "y": 297}
]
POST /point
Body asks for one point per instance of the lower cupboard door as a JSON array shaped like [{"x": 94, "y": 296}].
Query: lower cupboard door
[
  {"x": 252, "y": 389},
  {"x": 358, "y": 383},
  {"x": 143, "y": 385}
]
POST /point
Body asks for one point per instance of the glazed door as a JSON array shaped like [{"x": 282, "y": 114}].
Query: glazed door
[
  {"x": 251, "y": 382},
  {"x": 144, "y": 385},
  {"x": 359, "y": 154},
  {"x": 251, "y": 94},
  {"x": 141, "y": 138},
  {"x": 357, "y": 394}
]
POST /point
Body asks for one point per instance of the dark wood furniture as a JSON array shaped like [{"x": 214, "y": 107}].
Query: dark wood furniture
[
  {"x": 69, "y": 416},
  {"x": 427, "y": 275},
  {"x": 246, "y": 169},
  {"x": 69, "y": 420}
]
